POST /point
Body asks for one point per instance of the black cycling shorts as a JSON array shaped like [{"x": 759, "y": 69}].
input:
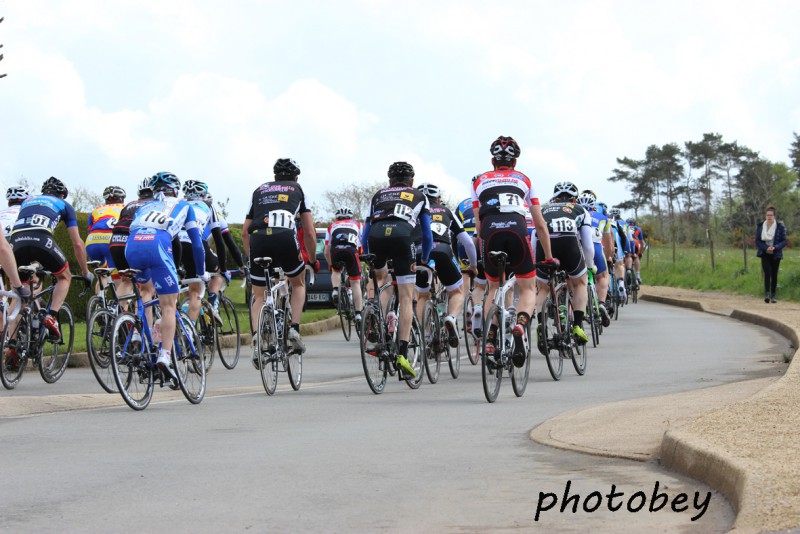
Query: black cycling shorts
[
  {"x": 568, "y": 250},
  {"x": 446, "y": 268},
  {"x": 187, "y": 259},
  {"x": 284, "y": 250},
  {"x": 509, "y": 233},
  {"x": 348, "y": 256},
  {"x": 38, "y": 245},
  {"x": 392, "y": 240}
]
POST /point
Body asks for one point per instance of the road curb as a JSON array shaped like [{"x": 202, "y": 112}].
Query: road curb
[{"x": 713, "y": 448}]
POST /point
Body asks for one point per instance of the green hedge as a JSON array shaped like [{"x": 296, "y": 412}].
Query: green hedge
[{"x": 77, "y": 304}]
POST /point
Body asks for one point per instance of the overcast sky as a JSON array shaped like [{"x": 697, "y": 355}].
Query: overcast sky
[{"x": 102, "y": 93}]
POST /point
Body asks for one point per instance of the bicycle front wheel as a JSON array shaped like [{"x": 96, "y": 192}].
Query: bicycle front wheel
[
  {"x": 14, "y": 355},
  {"x": 431, "y": 334},
  {"x": 519, "y": 375},
  {"x": 470, "y": 343},
  {"x": 453, "y": 357},
  {"x": 294, "y": 360},
  {"x": 189, "y": 362},
  {"x": 372, "y": 345},
  {"x": 206, "y": 332},
  {"x": 551, "y": 338},
  {"x": 229, "y": 329},
  {"x": 56, "y": 351},
  {"x": 99, "y": 331},
  {"x": 130, "y": 362},
  {"x": 267, "y": 346},
  {"x": 343, "y": 308},
  {"x": 491, "y": 366},
  {"x": 415, "y": 355}
]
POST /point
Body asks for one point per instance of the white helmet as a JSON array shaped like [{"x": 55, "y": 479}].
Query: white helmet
[
  {"x": 17, "y": 192},
  {"x": 430, "y": 190},
  {"x": 565, "y": 188},
  {"x": 344, "y": 213},
  {"x": 587, "y": 201}
]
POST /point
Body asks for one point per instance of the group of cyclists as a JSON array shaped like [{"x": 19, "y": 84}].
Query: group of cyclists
[{"x": 162, "y": 233}]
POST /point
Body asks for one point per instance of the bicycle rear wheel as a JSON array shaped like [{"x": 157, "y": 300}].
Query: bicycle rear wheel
[
  {"x": 453, "y": 358},
  {"x": 229, "y": 328},
  {"x": 130, "y": 362},
  {"x": 99, "y": 331},
  {"x": 375, "y": 367},
  {"x": 593, "y": 317},
  {"x": 14, "y": 351},
  {"x": 519, "y": 375},
  {"x": 343, "y": 308},
  {"x": 549, "y": 321},
  {"x": 470, "y": 343},
  {"x": 206, "y": 332},
  {"x": 431, "y": 335},
  {"x": 267, "y": 346},
  {"x": 491, "y": 368},
  {"x": 415, "y": 355},
  {"x": 56, "y": 352},
  {"x": 190, "y": 365},
  {"x": 294, "y": 360}
]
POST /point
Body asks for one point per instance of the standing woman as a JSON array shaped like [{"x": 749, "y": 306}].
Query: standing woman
[{"x": 770, "y": 240}]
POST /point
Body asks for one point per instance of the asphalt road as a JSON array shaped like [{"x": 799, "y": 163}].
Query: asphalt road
[{"x": 334, "y": 457}]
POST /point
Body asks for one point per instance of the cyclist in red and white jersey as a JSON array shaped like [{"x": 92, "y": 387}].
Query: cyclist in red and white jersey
[
  {"x": 500, "y": 197},
  {"x": 342, "y": 245}
]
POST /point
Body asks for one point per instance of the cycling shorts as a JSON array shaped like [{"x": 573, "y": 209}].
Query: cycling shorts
[
  {"x": 152, "y": 255},
  {"x": 446, "y": 269},
  {"x": 600, "y": 259},
  {"x": 284, "y": 250},
  {"x": 347, "y": 256},
  {"x": 38, "y": 245},
  {"x": 509, "y": 233},
  {"x": 117, "y": 251},
  {"x": 187, "y": 259},
  {"x": 100, "y": 252},
  {"x": 392, "y": 240},
  {"x": 567, "y": 249}
]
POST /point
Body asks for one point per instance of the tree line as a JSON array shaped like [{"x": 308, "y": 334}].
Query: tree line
[{"x": 709, "y": 190}]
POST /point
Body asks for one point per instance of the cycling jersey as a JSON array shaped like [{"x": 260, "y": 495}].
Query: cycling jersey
[
  {"x": 565, "y": 221},
  {"x": 600, "y": 226},
  {"x": 345, "y": 233},
  {"x": 502, "y": 191},
  {"x": 8, "y": 217},
  {"x": 443, "y": 223},
  {"x": 44, "y": 212},
  {"x": 100, "y": 225},
  {"x": 274, "y": 207},
  {"x": 466, "y": 215}
]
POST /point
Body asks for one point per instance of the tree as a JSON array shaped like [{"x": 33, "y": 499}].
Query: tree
[
  {"x": 2, "y": 75},
  {"x": 222, "y": 208},
  {"x": 706, "y": 155},
  {"x": 794, "y": 153},
  {"x": 356, "y": 196},
  {"x": 84, "y": 200}
]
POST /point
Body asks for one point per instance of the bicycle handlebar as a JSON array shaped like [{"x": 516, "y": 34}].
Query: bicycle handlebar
[
  {"x": 17, "y": 303},
  {"x": 312, "y": 276},
  {"x": 427, "y": 270}
]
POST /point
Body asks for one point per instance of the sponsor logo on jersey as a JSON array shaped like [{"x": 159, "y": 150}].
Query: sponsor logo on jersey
[
  {"x": 407, "y": 196},
  {"x": 438, "y": 218},
  {"x": 283, "y": 198}
]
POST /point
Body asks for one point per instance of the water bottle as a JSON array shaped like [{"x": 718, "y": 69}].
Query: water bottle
[
  {"x": 391, "y": 322},
  {"x": 562, "y": 312},
  {"x": 510, "y": 316},
  {"x": 157, "y": 331}
]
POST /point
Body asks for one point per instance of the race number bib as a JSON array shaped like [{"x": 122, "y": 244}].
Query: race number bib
[
  {"x": 40, "y": 221},
  {"x": 403, "y": 212},
  {"x": 154, "y": 219},
  {"x": 511, "y": 203},
  {"x": 281, "y": 219},
  {"x": 438, "y": 228},
  {"x": 347, "y": 238},
  {"x": 562, "y": 225},
  {"x": 597, "y": 235}
]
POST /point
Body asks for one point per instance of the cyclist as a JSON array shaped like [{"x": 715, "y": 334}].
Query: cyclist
[
  {"x": 270, "y": 229},
  {"x": 342, "y": 244},
  {"x": 500, "y": 196},
  {"x": 15, "y": 196},
  {"x": 571, "y": 242},
  {"x": 120, "y": 232},
  {"x": 395, "y": 212},
  {"x": 601, "y": 238},
  {"x": 215, "y": 284},
  {"x": 101, "y": 223},
  {"x": 467, "y": 216},
  {"x": 149, "y": 249},
  {"x": 639, "y": 245},
  {"x": 443, "y": 224},
  {"x": 620, "y": 230},
  {"x": 9, "y": 266},
  {"x": 32, "y": 240}
]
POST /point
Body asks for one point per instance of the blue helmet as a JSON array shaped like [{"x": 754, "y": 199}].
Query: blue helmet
[{"x": 165, "y": 182}]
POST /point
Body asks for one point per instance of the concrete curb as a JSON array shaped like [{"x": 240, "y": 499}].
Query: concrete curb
[
  {"x": 81, "y": 359},
  {"x": 761, "y": 503}
]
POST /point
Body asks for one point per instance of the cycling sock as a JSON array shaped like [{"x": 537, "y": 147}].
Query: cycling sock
[
  {"x": 578, "y": 316},
  {"x": 523, "y": 318},
  {"x": 296, "y": 326},
  {"x": 53, "y": 313},
  {"x": 402, "y": 348}
]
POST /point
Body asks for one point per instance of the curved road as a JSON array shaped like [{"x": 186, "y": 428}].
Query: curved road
[{"x": 335, "y": 457}]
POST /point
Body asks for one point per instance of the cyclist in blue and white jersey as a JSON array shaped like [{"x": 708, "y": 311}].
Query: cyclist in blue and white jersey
[
  {"x": 620, "y": 233},
  {"x": 149, "y": 249},
  {"x": 601, "y": 238},
  {"x": 32, "y": 240},
  {"x": 229, "y": 245},
  {"x": 466, "y": 214}
]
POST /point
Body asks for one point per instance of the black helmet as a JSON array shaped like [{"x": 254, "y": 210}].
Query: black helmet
[
  {"x": 400, "y": 171},
  {"x": 55, "y": 187},
  {"x": 114, "y": 192},
  {"x": 286, "y": 169},
  {"x": 504, "y": 151}
]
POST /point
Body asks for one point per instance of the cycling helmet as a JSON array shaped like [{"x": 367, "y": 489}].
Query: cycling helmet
[
  {"x": 631, "y": 221},
  {"x": 165, "y": 182},
  {"x": 505, "y": 151},
  {"x": 602, "y": 207},
  {"x": 565, "y": 189},
  {"x": 590, "y": 192},
  {"x": 113, "y": 192},
  {"x": 209, "y": 200},
  {"x": 55, "y": 187},
  {"x": 344, "y": 213},
  {"x": 430, "y": 190},
  {"x": 587, "y": 201},
  {"x": 614, "y": 212},
  {"x": 286, "y": 169},
  {"x": 400, "y": 171},
  {"x": 144, "y": 188},
  {"x": 194, "y": 189},
  {"x": 17, "y": 192}
]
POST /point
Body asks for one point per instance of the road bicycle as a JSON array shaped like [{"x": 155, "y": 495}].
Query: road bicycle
[
  {"x": 378, "y": 338},
  {"x": 205, "y": 324},
  {"x": 471, "y": 341},
  {"x": 10, "y": 305},
  {"x": 497, "y": 356},
  {"x": 614, "y": 299},
  {"x": 135, "y": 350},
  {"x": 555, "y": 338},
  {"x": 593, "y": 310},
  {"x": 274, "y": 352},
  {"x": 344, "y": 304},
  {"x": 434, "y": 333},
  {"x": 631, "y": 286},
  {"x": 227, "y": 324},
  {"x": 31, "y": 340}
]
